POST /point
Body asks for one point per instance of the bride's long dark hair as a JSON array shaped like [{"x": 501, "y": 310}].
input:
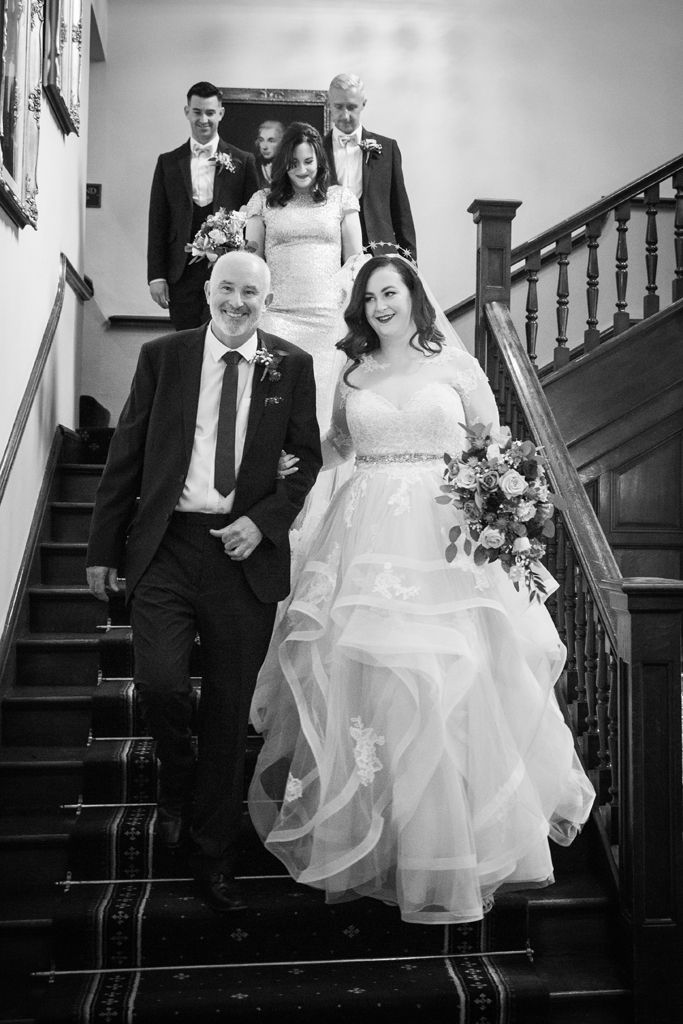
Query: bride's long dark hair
[
  {"x": 361, "y": 339},
  {"x": 281, "y": 189}
]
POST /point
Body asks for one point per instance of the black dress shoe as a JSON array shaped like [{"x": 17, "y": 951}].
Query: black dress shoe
[
  {"x": 222, "y": 894},
  {"x": 169, "y": 828}
]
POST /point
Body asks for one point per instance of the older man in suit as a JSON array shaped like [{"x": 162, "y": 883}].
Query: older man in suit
[
  {"x": 192, "y": 502},
  {"x": 189, "y": 183},
  {"x": 369, "y": 165}
]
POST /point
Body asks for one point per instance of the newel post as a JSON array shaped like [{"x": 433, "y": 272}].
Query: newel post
[
  {"x": 650, "y": 617},
  {"x": 493, "y": 218}
]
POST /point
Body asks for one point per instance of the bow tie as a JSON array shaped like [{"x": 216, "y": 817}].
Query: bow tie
[
  {"x": 348, "y": 140},
  {"x": 198, "y": 150}
]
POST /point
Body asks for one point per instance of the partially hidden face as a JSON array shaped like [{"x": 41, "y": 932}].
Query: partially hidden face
[
  {"x": 388, "y": 304},
  {"x": 346, "y": 108},
  {"x": 303, "y": 167},
  {"x": 268, "y": 140},
  {"x": 237, "y": 293},
  {"x": 204, "y": 115}
]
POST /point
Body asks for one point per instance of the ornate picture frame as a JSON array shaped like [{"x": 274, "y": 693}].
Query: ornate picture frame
[
  {"x": 246, "y": 109},
  {"x": 62, "y": 61},
  {"x": 21, "y": 25}
]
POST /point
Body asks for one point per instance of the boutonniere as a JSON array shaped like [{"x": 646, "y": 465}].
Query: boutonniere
[
  {"x": 273, "y": 400},
  {"x": 270, "y": 362},
  {"x": 371, "y": 148},
  {"x": 224, "y": 162}
]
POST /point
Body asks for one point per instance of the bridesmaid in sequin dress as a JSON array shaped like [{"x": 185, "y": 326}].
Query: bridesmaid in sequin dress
[{"x": 305, "y": 230}]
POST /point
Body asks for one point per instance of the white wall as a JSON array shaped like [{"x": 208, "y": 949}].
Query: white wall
[
  {"x": 553, "y": 102},
  {"x": 28, "y": 284}
]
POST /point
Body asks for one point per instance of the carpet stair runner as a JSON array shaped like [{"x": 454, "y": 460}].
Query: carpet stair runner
[
  {"x": 129, "y": 940},
  {"x": 132, "y": 919}
]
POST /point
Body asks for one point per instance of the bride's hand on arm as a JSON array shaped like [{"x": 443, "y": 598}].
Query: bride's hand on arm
[
  {"x": 287, "y": 464},
  {"x": 351, "y": 236},
  {"x": 255, "y": 235}
]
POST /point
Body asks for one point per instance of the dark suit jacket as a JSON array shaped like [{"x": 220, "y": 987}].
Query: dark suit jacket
[
  {"x": 150, "y": 454},
  {"x": 384, "y": 204},
  {"x": 170, "y": 205}
]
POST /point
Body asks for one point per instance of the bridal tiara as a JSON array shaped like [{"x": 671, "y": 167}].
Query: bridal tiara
[{"x": 399, "y": 250}]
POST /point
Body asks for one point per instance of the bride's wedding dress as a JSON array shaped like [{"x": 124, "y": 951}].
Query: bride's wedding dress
[{"x": 414, "y": 750}]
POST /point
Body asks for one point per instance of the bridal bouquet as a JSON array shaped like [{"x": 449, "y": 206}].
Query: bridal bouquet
[
  {"x": 501, "y": 488},
  {"x": 221, "y": 232}
]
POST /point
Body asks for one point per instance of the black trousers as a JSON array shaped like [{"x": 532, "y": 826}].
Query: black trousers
[
  {"x": 192, "y": 587},
  {"x": 187, "y": 304}
]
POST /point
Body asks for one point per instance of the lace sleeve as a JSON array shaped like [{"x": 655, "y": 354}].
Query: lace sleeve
[
  {"x": 349, "y": 202},
  {"x": 337, "y": 444},
  {"x": 256, "y": 205},
  {"x": 472, "y": 384}
]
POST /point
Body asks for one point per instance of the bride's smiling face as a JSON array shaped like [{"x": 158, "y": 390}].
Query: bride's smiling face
[
  {"x": 389, "y": 305},
  {"x": 303, "y": 168}
]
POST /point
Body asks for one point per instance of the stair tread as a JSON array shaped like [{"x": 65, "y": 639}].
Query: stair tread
[
  {"x": 49, "y": 694},
  {"x": 80, "y": 467},
  {"x": 58, "y": 639},
  {"x": 65, "y": 545},
  {"x": 42, "y": 756},
  {"x": 590, "y": 975},
  {"x": 14, "y": 826},
  {"x": 61, "y": 589},
  {"x": 72, "y": 504}
]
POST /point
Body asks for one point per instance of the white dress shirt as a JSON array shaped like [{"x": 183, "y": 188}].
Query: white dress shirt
[
  {"x": 199, "y": 493},
  {"x": 203, "y": 172},
  {"x": 348, "y": 159}
]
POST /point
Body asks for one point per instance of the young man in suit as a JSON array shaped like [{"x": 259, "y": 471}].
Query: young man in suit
[
  {"x": 189, "y": 183},
  {"x": 191, "y": 502},
  {"x": 370, "y": 166}
]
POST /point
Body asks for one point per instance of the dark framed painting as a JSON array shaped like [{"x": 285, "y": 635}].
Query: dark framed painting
[
  {"x": 21, "y": 37},
  {"x": 62, "y": 61},
  {"x": 246, "y": 109}
]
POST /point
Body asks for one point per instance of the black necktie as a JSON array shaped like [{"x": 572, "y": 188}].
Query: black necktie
[{"x": 224, "y": 465}]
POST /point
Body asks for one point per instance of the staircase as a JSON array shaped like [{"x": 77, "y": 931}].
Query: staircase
[{"x": 85, "y": 888}]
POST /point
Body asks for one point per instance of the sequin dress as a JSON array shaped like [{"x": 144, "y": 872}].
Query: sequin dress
[
  {"x": 303, "y": 251},
  {"x": 413, "y": 747}
]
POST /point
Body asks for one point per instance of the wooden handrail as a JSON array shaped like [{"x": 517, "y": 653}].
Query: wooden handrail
[
  {"x": 67, "y": 275},
  {"x": 596, "y": 210},
  {"x": 598, "y": 561}
]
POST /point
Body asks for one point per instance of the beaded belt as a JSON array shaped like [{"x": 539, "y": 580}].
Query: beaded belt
[{"x": 399, "y": 457}]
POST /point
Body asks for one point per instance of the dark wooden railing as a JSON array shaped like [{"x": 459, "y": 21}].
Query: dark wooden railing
[
  {"x": 621, "y": 690},
  {"x": 558, "y": 242}
]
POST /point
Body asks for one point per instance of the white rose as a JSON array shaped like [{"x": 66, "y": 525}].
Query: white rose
[
  {"x": 466, "y": 478},
  {"x": 526, "y": 510},
  {"x": 521, "y": 544},
  {"x": 493, "y": 452},
  {"x": 501, "y": 436},
  {"x": 492, "y": 537},
  {"x": 513, "y": 484}
]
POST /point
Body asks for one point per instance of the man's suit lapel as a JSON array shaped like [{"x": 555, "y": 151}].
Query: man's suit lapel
[
  {"x": 329, "y": 152},
  {"x": 184, "y": 168},
  {"x": 367, "y": 175},
  {"x": 190, "y": 355},
  {"x": 259, "y": 386}
]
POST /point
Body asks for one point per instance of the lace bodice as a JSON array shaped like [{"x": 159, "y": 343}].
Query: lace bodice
[
  {"x": 452, "y": 391},
  {"x": 303, "y": 248}
]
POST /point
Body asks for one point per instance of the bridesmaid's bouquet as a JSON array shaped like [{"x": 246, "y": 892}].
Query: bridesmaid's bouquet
[
  {"x": 221, "y": 232},
  {"x": 501, "y": 488}
]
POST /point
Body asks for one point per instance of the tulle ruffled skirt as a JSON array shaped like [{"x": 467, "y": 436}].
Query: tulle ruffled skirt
[{"x": 413, "y": 747}]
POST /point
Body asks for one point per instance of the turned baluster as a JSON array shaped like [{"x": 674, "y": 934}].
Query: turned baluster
[
  {"x": 602, "y": 710},
  {"x": 532, "y": 267},
  {"x": 613, "y": 744},
  {"x": 677, "y": 285},
  {"x": 581, "y": 706},
  {"x": 591, "y": 741},
  {"x": 551, "y": 565},
  {"x": 563, "y": 247},
  {"x": 591, "y": 336},
  {"x": 622, "y": 215},
  {"x": 560, "y": 573},
  {"x": 570, "y": 619},
  {"x": 651, "y": 300}
]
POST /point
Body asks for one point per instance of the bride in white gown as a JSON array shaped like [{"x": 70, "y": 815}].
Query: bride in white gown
[{"x": 413, "y": 747}]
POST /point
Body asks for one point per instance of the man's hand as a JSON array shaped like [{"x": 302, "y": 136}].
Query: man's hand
[
  {"x": 239, "y": 539},
  {"x": 99, "y": 578},
  {"x": 159, "y": 292}
]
